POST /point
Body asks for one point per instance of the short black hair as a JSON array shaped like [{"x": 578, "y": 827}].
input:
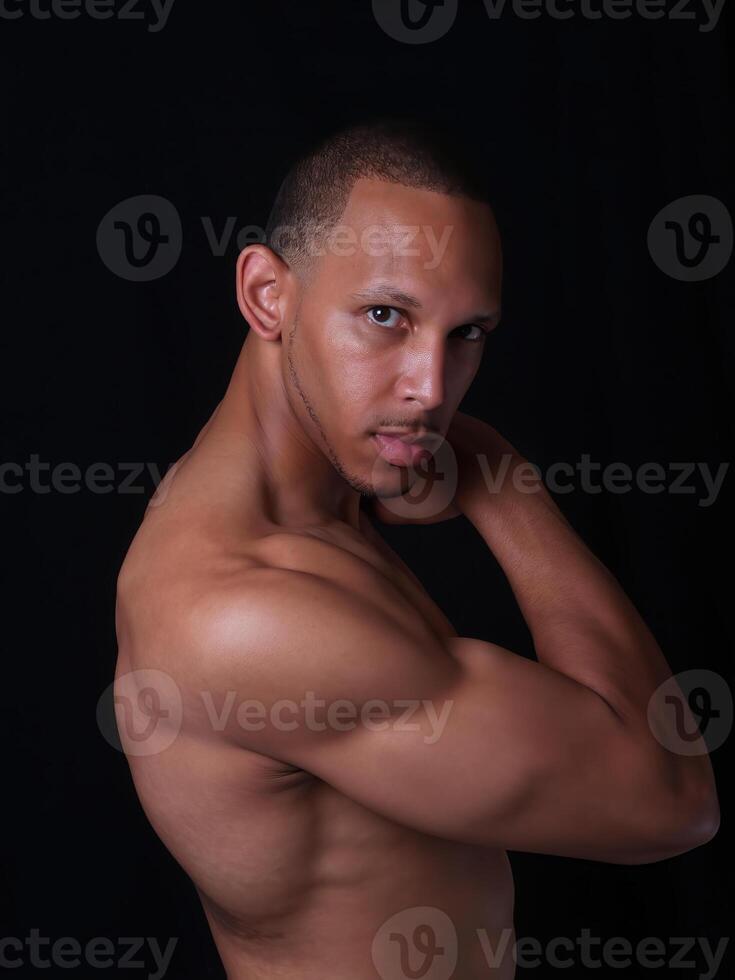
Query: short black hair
[{"x": 407, "y": 151}]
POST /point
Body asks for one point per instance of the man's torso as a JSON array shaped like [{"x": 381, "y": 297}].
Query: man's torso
[{"x": 296, "y": 879}]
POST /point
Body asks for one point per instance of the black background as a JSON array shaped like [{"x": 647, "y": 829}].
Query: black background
[{"x": 589, "y": 128}]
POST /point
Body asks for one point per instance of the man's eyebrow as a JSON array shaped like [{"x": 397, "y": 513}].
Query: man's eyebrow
[
  {"x": 383, "y": 293},
  {"x": 490, "y": 320},
  {"x": 379, "y": 294}
]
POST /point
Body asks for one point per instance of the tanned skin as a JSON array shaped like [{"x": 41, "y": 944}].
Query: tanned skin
[{"x": 256, "y": 576}]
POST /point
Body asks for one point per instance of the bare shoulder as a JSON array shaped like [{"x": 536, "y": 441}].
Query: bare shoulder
[
  {"x": 275, "y": 618},
  {"x": 269, "y": 621}
]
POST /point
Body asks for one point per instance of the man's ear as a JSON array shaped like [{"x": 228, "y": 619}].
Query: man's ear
[{"x": 265, "y": 287}]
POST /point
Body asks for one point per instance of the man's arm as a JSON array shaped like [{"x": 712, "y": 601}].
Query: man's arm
[
  {"x": 466, "y": 741},
  {"x": 582, "y": 623}
]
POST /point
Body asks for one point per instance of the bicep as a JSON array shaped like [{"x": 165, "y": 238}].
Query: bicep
[{"x": 506, "y": 754}]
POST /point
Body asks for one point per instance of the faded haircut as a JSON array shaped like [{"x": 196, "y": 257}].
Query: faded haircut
[{"x": 314, "y": 192}]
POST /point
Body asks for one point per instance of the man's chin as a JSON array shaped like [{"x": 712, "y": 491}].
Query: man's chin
[{"x": 397, "y": 481}]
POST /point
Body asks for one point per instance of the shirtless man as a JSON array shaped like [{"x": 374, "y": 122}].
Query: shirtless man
[{"x": 330, "y": 834}]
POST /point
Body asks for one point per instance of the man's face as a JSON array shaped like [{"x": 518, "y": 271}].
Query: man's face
[{"x": 391, "y": 327}]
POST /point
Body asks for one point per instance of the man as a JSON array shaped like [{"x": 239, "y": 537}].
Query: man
[{"x": 340, "y": 773}]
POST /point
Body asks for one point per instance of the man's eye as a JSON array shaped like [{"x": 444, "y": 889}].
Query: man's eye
[
  {"x": 385, "y": 316},
  {"x": 478, "y": 334}
]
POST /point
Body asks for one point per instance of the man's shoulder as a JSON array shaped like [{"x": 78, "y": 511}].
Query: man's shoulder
[
  {"x": 206, "y": 600},
  {"x": 183, "y": 575},
  {"x": 270, "y": 627},
  {"x": 274, "y": 595}
]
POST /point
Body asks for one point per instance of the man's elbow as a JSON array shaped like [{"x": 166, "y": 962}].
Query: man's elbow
[
  {"x": 700, "y": 808},
  {"x": 705, "y": 822},
  {"x": 684, "y": 826}
]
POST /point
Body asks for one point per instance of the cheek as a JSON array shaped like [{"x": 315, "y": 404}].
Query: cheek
[
  {"x": 463, "y": 365},
  {"x": 353, "y": 368}
]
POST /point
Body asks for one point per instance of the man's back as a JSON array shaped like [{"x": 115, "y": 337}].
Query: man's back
[{"x": 296, "y": 878}]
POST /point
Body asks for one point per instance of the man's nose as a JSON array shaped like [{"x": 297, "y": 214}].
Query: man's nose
[{"x": 423, "y": 375}]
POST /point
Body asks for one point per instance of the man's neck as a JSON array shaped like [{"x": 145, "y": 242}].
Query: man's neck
[{"x": 302, "y": 486}]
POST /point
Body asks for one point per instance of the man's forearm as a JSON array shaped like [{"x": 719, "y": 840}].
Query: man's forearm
[{"x": 581, "y": 621}]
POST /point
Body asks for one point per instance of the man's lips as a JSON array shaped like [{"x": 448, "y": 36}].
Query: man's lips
[{"x": 399, "y": 451}]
